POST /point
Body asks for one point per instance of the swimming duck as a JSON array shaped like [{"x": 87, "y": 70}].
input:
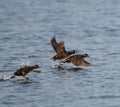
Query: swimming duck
[
  {"x": 77, "y": 60},
  {"x": 25, "y": 70},
  {"x": 60, "y": 50}
]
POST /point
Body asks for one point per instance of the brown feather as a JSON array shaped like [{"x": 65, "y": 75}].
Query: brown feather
[{"x": 77, "y": 60}]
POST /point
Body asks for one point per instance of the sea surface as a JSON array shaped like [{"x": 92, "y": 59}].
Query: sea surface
[{"x": 88, "y": 26}]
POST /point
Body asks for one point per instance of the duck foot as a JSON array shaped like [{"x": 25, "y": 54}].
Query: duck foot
[{"x": 27, "y": 78}]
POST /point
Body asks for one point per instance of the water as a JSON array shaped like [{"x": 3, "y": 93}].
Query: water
[{"x": 26, "y": 27}]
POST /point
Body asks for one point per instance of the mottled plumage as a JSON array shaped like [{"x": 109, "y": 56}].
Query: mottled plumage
[
  {"x": 60, "y": 50},
  {"x": 77, "y": 60}
]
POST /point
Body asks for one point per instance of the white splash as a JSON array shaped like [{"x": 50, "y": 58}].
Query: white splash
[
  {"x": 25, "y": 62},
  {"x": 7, "y": 77}
]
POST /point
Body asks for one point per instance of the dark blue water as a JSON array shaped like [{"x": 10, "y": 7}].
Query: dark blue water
[{"x": 89, "y": 26}]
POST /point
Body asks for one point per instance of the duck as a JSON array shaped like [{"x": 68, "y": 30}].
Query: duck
[
  {"x": 23, "y": 71},
  {"x": 78, "y": 60},
  {"x": 60, "y": 50}
]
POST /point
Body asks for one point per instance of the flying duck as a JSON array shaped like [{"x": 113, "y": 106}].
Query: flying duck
[
  {"x": 25, "y": 70},
  {"x": 60, "y": 50}
]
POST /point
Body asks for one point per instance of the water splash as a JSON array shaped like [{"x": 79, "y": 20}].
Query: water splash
[
  {"x": 7, "y": 76},
  {"x": 24, "y": 62}
]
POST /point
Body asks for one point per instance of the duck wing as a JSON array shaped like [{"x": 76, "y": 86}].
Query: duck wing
[
  {"x": 54, "y": 44},
  {"x": 58, "y": 47},
  {"x": 81, "y": 62},
  {"x": 77, "y": 60}
]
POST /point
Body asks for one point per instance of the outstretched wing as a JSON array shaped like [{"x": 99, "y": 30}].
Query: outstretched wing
[
  {"x": 61, "y": 47},
  {"x": 81, "y": 62},
  {"x": 77, "y": 60},
  {"x": 54, "y": 44},
  {"x": 58, "y": 47}
]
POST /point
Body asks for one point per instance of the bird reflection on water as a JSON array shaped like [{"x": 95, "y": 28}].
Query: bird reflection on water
[{"x": 72, "y": 69}]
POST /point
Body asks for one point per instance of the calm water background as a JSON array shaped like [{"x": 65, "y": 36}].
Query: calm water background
[{"x": 89, "y": 26}]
